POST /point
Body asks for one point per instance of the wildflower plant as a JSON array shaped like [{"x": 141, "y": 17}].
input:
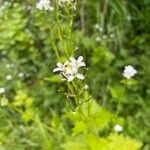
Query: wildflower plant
[{"x": 84, "y": 112}]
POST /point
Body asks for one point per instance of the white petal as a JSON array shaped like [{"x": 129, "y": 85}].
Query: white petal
[
  {"x": 82, "y": 64},
  {"x": 66, "y": 63},
  {"x": 74, "y": 69},
  {"x": 80, "y": 58},
  {"x": 80, "y": 76},
  {"x": 59, "y": 64},
  {"x": 69, "y": 71},
  {"x": 70, "y": 78},
  {"x": 74, "y": 64},
  {"x": 72, "y": 59},
  {"x": 56, "y": 69}
]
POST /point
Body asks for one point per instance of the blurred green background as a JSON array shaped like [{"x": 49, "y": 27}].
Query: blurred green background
[{"x": 110, "y": 34}]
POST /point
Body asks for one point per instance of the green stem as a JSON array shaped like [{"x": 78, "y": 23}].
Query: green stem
[{"x": 56, "y": 14}]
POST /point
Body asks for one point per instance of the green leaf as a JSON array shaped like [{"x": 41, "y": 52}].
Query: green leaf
[
  {"x": 79, "y": 127},
  {"x": 53, "y": 79}
]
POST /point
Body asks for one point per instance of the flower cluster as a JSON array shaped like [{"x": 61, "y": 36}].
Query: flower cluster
[
  {"x": 2, "y": 90},
  {"x": 69, "y": 70},
  {"x": 118, "y": 128},
  {"x": 129, "y": 72},
  {"x": 65, "y": 1},
  {"x": 44, "y": 5}
]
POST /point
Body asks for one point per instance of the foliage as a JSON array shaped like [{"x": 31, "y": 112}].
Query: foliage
[{"x": 34, "y": 109}]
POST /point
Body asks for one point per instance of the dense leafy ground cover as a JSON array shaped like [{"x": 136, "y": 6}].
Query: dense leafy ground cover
[{"x": 39, "y": 111}]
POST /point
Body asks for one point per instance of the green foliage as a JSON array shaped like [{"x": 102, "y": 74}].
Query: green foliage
[
  {"x": 86, "y": 133},
  {"x": 34, "y": 109}
]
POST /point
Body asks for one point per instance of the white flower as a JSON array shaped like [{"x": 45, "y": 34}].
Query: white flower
[
  {"x": 86, "y": 86},
  {"x": 72, "y": 68},
  {"x": 60, "y": 66},
  {"x": 44, "y": 5},
  {"x": 21, "y": 74},
  {"x": 2, "y": 90},
  {"x": 8, "y": 77},
  {"x": 97, "y": 26},
  {"x": 118, "y": 128},
  {"x": 129, "y": 72},
  {"x": 101, "y": 29},
  {"x": 104, "y": 37},
  {"x": 77, "y": 63},
  {"x": 98, "y": 39},
  {"x": 70, "y": 2},
  {"x": 9, "y": 66},
  {"x": 65, "y": 1},
  {"x": 69, "y": 70}
]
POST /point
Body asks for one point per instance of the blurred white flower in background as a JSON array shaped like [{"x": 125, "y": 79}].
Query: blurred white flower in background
[
  {"x": 65, "y": 1},
  {"x": 8, "y": 77},
  {"x": 86, "y": 87},
  {"x": 118, "y": 128},
  {"x": 8, "y": 66},
  {"x": 104, "y": 37},
  {"x": 129, "y": 71},
  {"x": 2, "y": 90},
  {"x": 44, "y": 5},
  {"x": 69, "y": 70},
  {"x": 98, "y": 39},
  {"x": 20, "y": 74},
  {"x": 99, "y": 28}
]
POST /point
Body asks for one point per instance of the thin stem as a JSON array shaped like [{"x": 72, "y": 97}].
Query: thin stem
[{"x": 56, "y": 14}]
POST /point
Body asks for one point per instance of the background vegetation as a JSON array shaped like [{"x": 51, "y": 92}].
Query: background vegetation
[{"x": 36, "y": 117}]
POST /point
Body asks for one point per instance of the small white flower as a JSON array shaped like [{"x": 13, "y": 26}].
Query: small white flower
[
  {"x": 86, "y": 86},
  {"x": 101, "y": 29},
  {"x": 69, "y": 70},
  {"x": 60, "y": 66},
  {"x": 2, "y": 90},
  {"x": 76, "y": 48},
  {"x": 44, "y": 5},
  {"x": 8, "y": 66},
  {"x": 98, "y": 39},
  {"x": 77, "y": 63},
  {"x": 118, "y": 128},
  {"x": 129, "y": 72},
  {"x": 21, "y": 74},
  {"x": 8, "y": 77},
  {"x": 97, "y": 26},
  {"x": 104, "y": 37},
  {"x": 65, "y": 1}
]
